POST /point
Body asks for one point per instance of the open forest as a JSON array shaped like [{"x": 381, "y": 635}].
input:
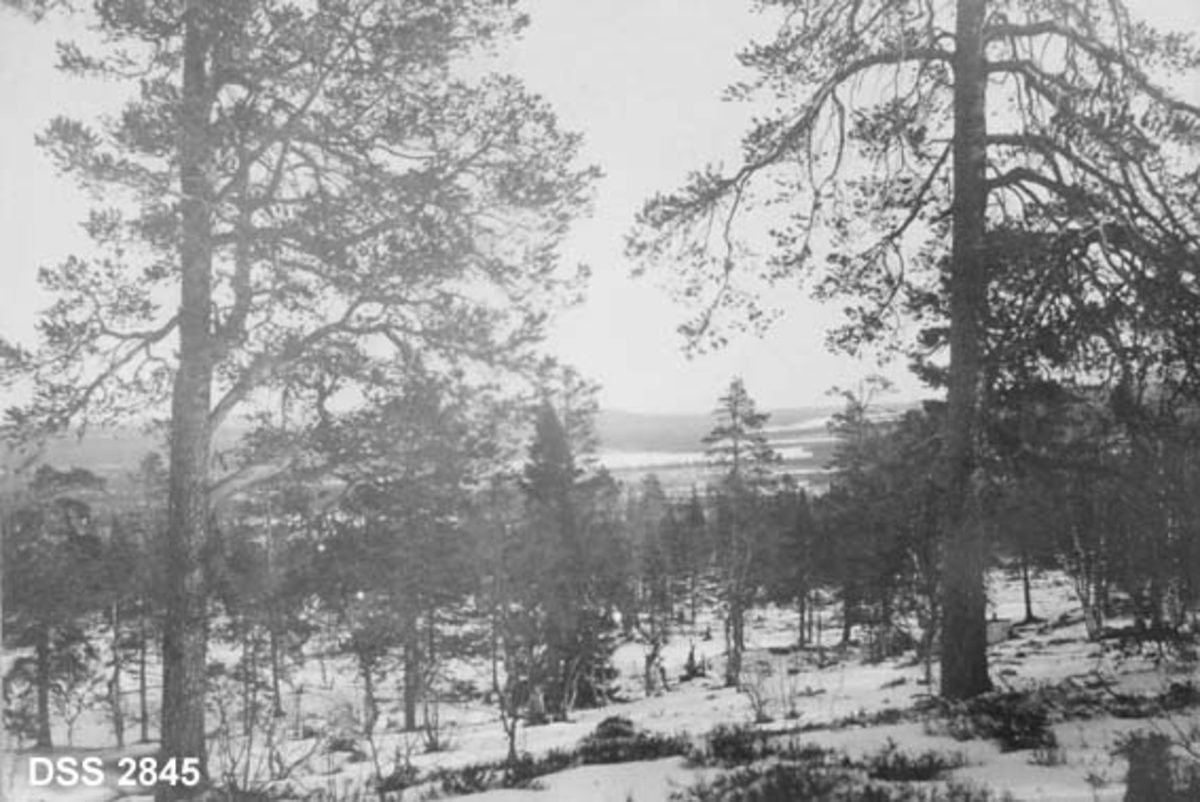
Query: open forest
[
  {"x": 408, "y": 631},
  {"x": 376, "y": 538}
]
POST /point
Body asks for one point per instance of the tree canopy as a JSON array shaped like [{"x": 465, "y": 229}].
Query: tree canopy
[
  {"x": 902, "y": 137},
  {"x": 303, "y": 197}
]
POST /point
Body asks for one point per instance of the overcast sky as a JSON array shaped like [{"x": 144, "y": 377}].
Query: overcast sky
[{"x": 641, "y": 79}]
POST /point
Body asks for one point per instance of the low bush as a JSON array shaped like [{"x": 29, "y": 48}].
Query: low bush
[
  {"x": 401, "y": 778},
  {"x": 473, "y": 779},
  {"x": 791, "y": 782},
  {"x": 1179, "y": 696},
  {"x": 894, "y": 765},
  {"x": 528, "y": 768},
  {"x": 735, "y": 745},
  {"x": 967, "y": 792},
  {"x": 1048, "y": 756},
  {"x": 617, "y": 740},
  {"x": 775, "y": 782},
  {"x": 1014, "y": 720},
  {"x": 342, "y": 743},
  {"x": 614, "y": 727}
]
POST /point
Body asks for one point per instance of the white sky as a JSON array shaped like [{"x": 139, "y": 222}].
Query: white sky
[{"x": 641, "y": 78}]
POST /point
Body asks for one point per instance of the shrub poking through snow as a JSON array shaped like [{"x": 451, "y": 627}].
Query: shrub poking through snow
[
  {"x": 967, "y": 792},
  {"x": 617, "y": 740},
  {"x": 894, "y": 765},
  {"x": 1014, "y": 720},
  {"x": 401, "y": 778},
  {"x": 775, "y": 782},
  {"x": 754, "y": 687},
  {"x": 473, "y": 779},
  {"x": 790, "y": 782},
  {"x": 1048, "y": 756},
  {"x": 613, "y": 728},
  {"x": 735, "y": 745},
  {"x": 528, "y": 768},
  {"x": 1179, "y": 696}
]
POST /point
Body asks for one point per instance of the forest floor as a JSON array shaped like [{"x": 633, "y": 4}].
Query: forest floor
[{"x": 1095, "y": 696}]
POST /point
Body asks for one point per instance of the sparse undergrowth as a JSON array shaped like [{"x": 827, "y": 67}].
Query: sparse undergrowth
[
  {"x": 895, "y": 765},
  {"x": 792, "y": 781},
  {"x": 765, "y": 767},
  {"x": 1015, "y": 720},
  {"x": 617, "y": 740}
]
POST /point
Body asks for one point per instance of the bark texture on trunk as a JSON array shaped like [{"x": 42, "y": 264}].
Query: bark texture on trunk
[
  {"x": 42, "y": 657},
  {"x": 143, "y": 685},
  {"x": 964, "y": 631},
  {"x": 184, "y": 640},
  {"x": 114, "y": 684},
  {"x": 412, "y": 674}
]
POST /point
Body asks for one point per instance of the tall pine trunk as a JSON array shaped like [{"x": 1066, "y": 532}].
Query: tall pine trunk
[
  {"x": 276, "y": 667},
  {"x": 734, "y": 643},
  {"x": 964, "y": 631},
  {"x": 41, "y": 649},
  {"x": 412, "y": 673},
  {"x": 801, "y": 610},
  {"x": 114, "y": 684},
  {"x": 143, "y": 659},
  {"x": 184, "y": 640},
  {"x": 849, "y": 606}
]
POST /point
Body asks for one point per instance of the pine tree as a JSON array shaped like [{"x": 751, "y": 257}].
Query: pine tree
[
  {"x": 739, "y": 447},
  {"x": 652, "y": 524},
  {"x": 879, "y": 148},
  {"x": 789, "y": 562},
  {"x": 53, "y": 575},
  {"x": 314, "y": 186}
]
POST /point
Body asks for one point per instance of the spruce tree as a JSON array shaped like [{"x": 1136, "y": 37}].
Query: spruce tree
[{"x": 572, "y": 567}]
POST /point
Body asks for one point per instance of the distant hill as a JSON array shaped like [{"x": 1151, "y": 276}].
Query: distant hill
[
  {"x": 631, "y": 444},
  {"x": 637, "y": 431}
]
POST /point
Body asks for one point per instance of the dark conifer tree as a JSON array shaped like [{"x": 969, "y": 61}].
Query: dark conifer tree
[
  {"x": 53, "y": 578},
  {"x": 572, "y": 568},
  {"x": 738, "y": 445}
]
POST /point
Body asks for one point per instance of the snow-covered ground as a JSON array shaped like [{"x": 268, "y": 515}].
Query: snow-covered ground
[{"x": 814, "y": 690}]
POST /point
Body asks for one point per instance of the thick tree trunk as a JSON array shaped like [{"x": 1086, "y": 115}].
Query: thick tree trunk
[
  {"x": 366, "y": 669},
  {"x": 42, "y": 656},
  {"x": 185, "y": 625},
  {"x": 412, "y": 674},
  {"x": 964, "y": 630}
]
